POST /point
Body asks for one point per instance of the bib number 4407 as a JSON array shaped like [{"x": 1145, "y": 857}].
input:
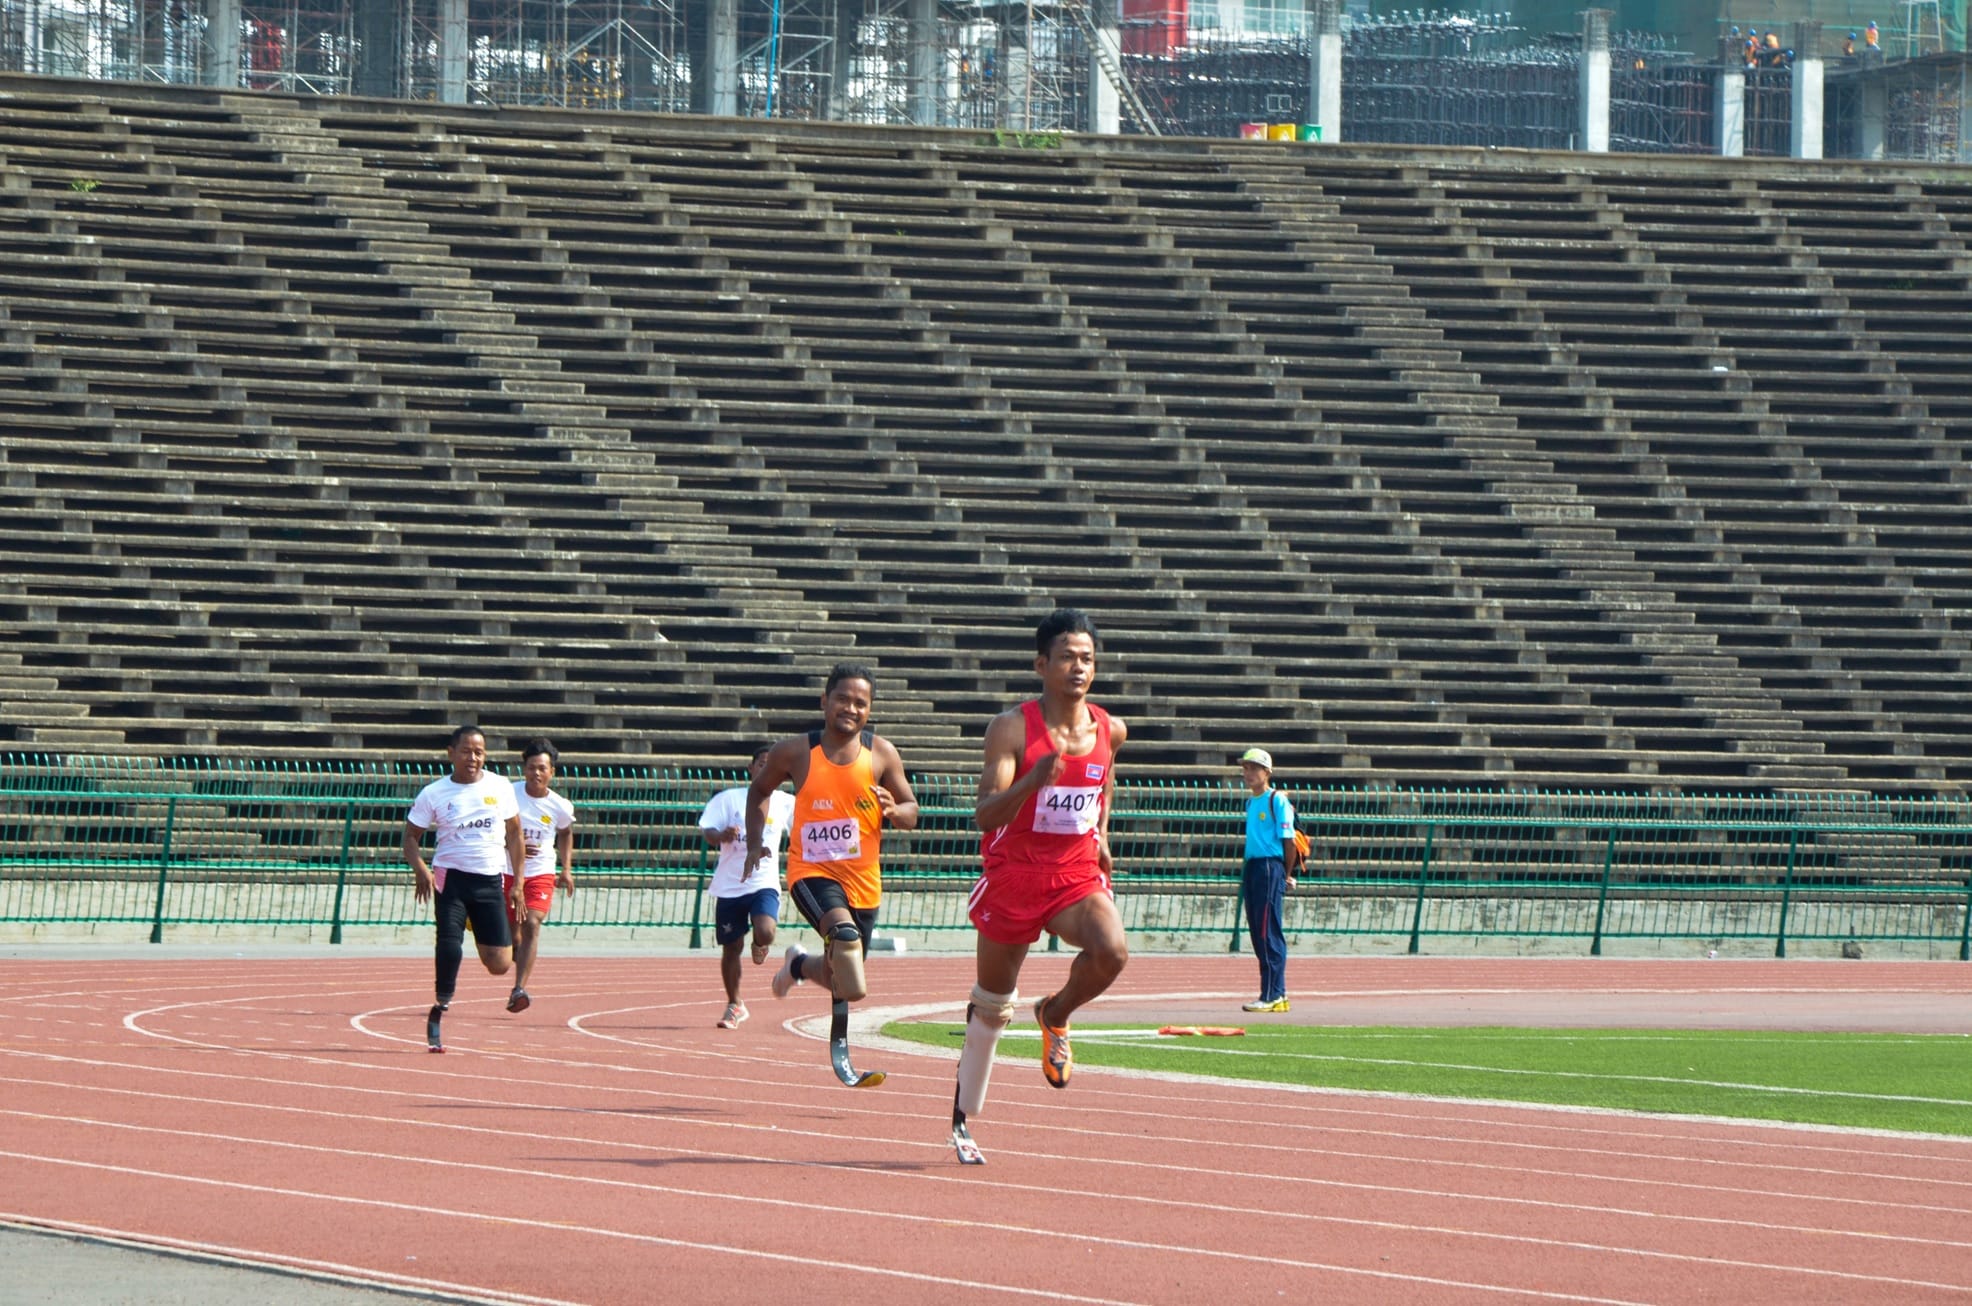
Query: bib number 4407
[{"x": 1063, "y": 809}]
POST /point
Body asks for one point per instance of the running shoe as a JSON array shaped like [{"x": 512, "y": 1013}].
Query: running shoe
[
  {"x": 1259, "y": 1004},
  {"x": 1057, "y": 1061},
  {"x": 735, "y": 1013},
  {"x": 760, "y": 951},
  {"x": 518, "y": 1000},
  {"x": 434, "y": 1037},
  {"x": 1278, "y": 1004},
  {"x": 784, "y": 977}
]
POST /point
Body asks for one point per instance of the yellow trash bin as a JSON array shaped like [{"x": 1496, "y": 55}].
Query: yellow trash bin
[{"x": 1280, "y": 131}]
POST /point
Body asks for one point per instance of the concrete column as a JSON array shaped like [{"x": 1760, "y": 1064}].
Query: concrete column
[
  {"x": 841, "y": 58},
  {"x": 1594, "y": 136},
  {"x": 1804, "y": 134},
  {"x": 380, "y": 47},
  {"x": 222, "y": 43},
  {"x": 922, "y": 64},
  {"x": 1105, "y": 103},
  {"x": 1964, "y": 114},
  {"x": 715, "y": 71},
  {"x": 1325, "y": 67},
  {"x": 452, "y": 51},
  {"x": 1873, "y": 97},
  {"x": 1731, "y": 108}
]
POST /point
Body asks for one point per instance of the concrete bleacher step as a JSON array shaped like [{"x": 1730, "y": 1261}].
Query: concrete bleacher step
[{"x": 1468, "y": 410}]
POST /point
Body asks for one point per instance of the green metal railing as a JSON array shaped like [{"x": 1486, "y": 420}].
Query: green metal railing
[{"x": 169, "y": 843}]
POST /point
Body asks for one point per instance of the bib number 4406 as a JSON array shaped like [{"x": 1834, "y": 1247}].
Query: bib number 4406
[{"x": 831, "y": 841}]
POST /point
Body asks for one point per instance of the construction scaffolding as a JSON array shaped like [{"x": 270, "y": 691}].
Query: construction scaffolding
[
  {"x": 1434, "y": 80},
  {"x": 575, "y": 54},
  {"x": 1925, "y": 117},
  {"x": 1661, "y": 102},
  {"x": 1197, "y": 67}
]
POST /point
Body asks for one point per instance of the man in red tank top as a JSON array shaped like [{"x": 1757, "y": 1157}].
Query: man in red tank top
[{"x": 1043, "y": 812}]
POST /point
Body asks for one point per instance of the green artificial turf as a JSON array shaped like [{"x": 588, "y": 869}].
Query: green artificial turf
[{"x": 1876, "y": 1081}]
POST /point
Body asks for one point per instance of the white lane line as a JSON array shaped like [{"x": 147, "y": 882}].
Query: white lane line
[
  {"x": 1297, "y": 1152},
  {"x": 1182, "y": 1168},
  {"x": 299, "y": 1267},
  {"x": 539, "y": 1226}
]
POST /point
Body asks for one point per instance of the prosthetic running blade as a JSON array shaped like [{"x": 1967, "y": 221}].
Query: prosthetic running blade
[
  {"x": 968, "y": 1151},
  {"x": 839, "y": 1050}
]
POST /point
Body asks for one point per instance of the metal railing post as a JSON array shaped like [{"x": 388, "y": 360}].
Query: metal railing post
[
  {"x": 1787, "y": 892},
  {"x": 1423, "y": 875},
  {"x": 698, "y": 900},
  {"x": 342, "y": 870},
  {"x": 1602, "y": 895},
  {"x": 1239, "y": 908},
  {"x": 163, "y": 869},
  {"x": 1965, "y": 927}
]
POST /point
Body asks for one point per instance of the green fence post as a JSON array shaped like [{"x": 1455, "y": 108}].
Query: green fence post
[
  {"x": 1965, "y": 928},
  {"x": 342, "y": 871},
  {"x": 1239, "y": 905},
  {"x": 1602, "y": 895},
  {"x": 1787, "y": 892},
  {"x": 698, "y": 901},
  {"x": 163, "y": 869},
  {"x": 1423, "y": 874}
]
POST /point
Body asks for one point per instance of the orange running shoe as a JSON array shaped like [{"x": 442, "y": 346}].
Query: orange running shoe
[{"x": 1057, "y": 1060}]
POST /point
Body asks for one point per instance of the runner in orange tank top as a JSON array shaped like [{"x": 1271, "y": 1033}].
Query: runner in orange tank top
[
  {"x": 1045, "y": 794},
  {"x": 847, "y": 782}
]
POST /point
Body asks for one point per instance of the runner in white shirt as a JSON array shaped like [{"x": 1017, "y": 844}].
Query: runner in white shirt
[
  {"x": 479, "y": 841},
  {"x": 740, "y": 899},
  {"x": 547, "y": 825}
]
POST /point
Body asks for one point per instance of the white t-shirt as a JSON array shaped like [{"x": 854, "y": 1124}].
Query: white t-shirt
[
  {"x": 726, "y": 811},
  {"x": 471, "y": 821},
  {"x": 541, "y": 819}
]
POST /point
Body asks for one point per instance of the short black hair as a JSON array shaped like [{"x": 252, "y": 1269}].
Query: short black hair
[
  {"x": 760, "y": 751},
  {"x": 1063, "y": 621},
  {"x": 462, "y": 732},
  {"x": 540, "y": 748},
  {"x": 842, "y": 671}
]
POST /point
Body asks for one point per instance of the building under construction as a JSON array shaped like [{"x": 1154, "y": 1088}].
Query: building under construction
[{"x": 1195, "y": 67}]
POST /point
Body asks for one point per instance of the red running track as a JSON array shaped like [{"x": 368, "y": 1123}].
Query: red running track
[{"x": 610, "y": 1145}]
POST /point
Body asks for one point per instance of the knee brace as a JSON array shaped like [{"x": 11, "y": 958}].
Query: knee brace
[
  {"x": 845, "y": 952},
  {"x": 986, "y": 1018}
]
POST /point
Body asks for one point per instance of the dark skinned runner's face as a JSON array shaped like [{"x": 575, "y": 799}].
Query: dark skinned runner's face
[
  {"x": 1068, "y": 668},
  {"x": 846, "y": 709},
  {"x": 468, "y": 758}
]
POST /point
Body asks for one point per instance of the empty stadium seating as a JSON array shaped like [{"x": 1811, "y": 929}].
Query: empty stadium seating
[{"x": 331, "y": 422}]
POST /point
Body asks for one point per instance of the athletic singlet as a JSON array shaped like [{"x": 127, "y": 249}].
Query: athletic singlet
[
  {"x": 1055, "y": 829},
  {"x": 838, "y": 826}
]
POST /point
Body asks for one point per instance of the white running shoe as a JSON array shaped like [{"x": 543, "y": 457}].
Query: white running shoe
[
  {"x": 735, "y": 1013},
  {"x": 784, "y": 977}
]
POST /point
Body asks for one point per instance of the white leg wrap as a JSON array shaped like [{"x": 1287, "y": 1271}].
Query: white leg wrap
[
  {"x": 846, "y": 969},
  {"x": 986, "y": 1021}
]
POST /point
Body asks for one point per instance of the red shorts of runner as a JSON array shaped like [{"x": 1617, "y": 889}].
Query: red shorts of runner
[
  {"x": 1014, "y": 907},
  {"x": 537, "y": 890}
]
